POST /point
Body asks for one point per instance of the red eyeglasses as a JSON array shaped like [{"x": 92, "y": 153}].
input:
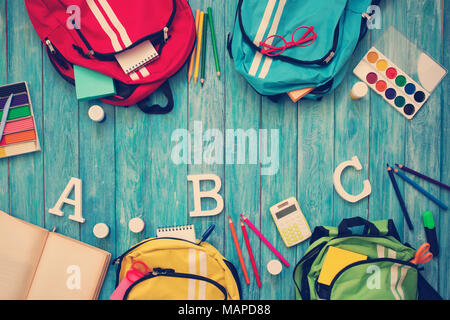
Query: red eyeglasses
[{"x": 271, "y": 50}]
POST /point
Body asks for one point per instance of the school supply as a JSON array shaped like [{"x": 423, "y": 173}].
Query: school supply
[
  {"x": 100, "y": 230},
  {"x": 399, "y": 197},
  {"x": 238, "y": 250},
  {"x": 136, "y": 225},
  {"x": 194, "y": 52},
  {"x": 337, "y": 259},
  {"x": 359, "y": 90},
  {"x": 97, "y": 114},
  {"x": 430, "y": 232},
  {"x": 199, "y": 46},
  {"x": 265, "y": 241},
  {"x": 420, "y": 175},
  {"x": 180, "y": 270},
  {"x": 381, "y": 268},
  {"x": 133, "y": 275},
  {"x": 18, "y": 126},
  {"x": 296, "y": 95},
  {"x": 422, "y": 255},
  {"x": 290, "y": 222},
  {"x": 5, "y": 115},
  {"x": 250, "y": 253},
  {"x": 112, "y": 28},
  {"x": 214, "y": 41},
  {"x": 421, "y": 190},
  {"x": 90, "y": 84},
  {"x": 37, "y": 264},
  {"x": 204, "y": 50},
  {"x": 179, "y": 232},
  {"x": 338, "y": 26},
  {"x": 138, "y": 57},
  {"x": 406, "y": 78},
  {"x": 274, "y": 267}
]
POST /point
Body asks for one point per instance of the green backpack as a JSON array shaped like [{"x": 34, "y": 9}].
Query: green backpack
[{"x": 387, "y": 274}]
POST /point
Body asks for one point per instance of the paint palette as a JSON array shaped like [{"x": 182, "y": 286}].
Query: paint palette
[
  {"x": 19, "y": 136},
  {"x": 392, "y": 83}
]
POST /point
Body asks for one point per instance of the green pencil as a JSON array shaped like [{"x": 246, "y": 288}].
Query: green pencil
[
  {"x": 205, "y": 31},
  {"x": 213, "y": 37}
]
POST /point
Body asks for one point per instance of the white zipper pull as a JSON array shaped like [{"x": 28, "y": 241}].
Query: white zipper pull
[
  {"x": 330, "y": 56},
  {"x": 166, "y": 34},
  {"x": 50, "y": 46}
]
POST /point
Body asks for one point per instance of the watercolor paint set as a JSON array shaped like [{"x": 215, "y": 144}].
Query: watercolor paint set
[
  {"x": 406, "y": 78},
  {"x": 19, "y": 134}
]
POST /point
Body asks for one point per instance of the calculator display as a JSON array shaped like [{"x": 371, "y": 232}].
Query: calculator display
[{"x": 286, "y": 211}]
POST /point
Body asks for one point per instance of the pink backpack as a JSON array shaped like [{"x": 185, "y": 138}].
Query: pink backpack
[{"x": 89, "y": 33}]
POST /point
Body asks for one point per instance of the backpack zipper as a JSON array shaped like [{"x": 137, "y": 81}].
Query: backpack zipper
[
  {"x": 159, "y": 272},
  {"x": 54, "y": 52}
]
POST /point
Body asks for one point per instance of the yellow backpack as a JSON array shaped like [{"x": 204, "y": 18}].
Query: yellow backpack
[{"x": 180, "y": 270}]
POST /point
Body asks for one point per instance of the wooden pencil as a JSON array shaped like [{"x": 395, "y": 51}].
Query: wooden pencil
[
  {"x": 238, "y": 250},
  {"x": 399, "y": 197},
  {"x": 420, "y": 175},
  {"x": 214, "y": 42},
  {"x": 199, "y": 46},
  {"x": 204, "y": 48},
  {"x": 194, "y": 51}
]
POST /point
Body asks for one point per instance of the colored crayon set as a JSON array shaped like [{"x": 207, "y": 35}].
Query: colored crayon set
[
  {"x": 391, "y": 83},
  {"x": 19, "y": 134}
]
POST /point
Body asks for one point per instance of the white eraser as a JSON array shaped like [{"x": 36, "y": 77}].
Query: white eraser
[
  {"x": 136, "y": 225},
  {"x": 96, "y": 113},
  {"x": 274, "y": 267},
  {"x": 359, "y": 90},
  {"x": 101, "y": 230}
]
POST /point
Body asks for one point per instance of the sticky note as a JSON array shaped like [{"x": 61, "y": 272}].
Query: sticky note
[{"x": 90, "y": 84}]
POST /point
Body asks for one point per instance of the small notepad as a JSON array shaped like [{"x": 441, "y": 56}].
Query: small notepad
[
  {"x": 180, "y": 232},
  {"x": 90, "y": 84},
  {"x": 336, "y": 260},
  {"x": 135, "y": 58}
]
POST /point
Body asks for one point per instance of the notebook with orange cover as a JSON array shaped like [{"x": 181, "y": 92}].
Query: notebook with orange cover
[
  {"x": 36, "y": 264},
  {"x": 296, "y": 95},
  {"x": 336, "y": 260}
]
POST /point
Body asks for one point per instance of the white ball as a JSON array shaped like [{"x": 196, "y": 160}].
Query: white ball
[
  {"x": 101, "y": 230},
  {"x": 136, "y": 225}
]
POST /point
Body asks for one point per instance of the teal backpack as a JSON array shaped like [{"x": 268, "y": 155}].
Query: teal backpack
[
  {"x": 386, "y": 274},
  {"x": 316, "y": 57}
]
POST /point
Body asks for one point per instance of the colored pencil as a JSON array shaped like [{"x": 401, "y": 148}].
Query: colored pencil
[
  {"x": 204, "y": 48},
  {"x": 5, "y": 115},
  {"x": 399, "y": 197},
  {"x": 420, "y": 189},
  {"x": 199, "y": 46},
  {"x": 214, "y": 42},
  {"x": 266, "y": 242},
  {"x": 238, "y": 250},
  {"x": 194, "y": 51},
  {"x": 420, "y": 175},
  {"x": 250, "y": 253}
]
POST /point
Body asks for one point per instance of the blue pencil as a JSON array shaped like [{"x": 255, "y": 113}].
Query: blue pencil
[
  {"x": 400, "y": 198},
  {"x": 420, "y": 189}
]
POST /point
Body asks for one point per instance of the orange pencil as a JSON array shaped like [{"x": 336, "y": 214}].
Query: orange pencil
[
  {"x": 250, "y": 253},
  {"x": 238, "y": 249},
  {"x": 191, "y": 63}
]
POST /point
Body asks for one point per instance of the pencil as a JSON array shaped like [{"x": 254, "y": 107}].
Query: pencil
[
  {"x": 399, "y": 197},
  {"x": 5, "y": 115},
  {"x": 194, "y": 51},
  {"x": 204, "y": 48},
  {"x": 214, "y": 42},
  {"x": 199, "y": 46},
  {"x": 250, "y": 253},
  {"x": 238, "y": 249},
  {"x": 266, "y": 242},
  {"x": 421, "y": 190},
  {"x": 420, "y": 175}
]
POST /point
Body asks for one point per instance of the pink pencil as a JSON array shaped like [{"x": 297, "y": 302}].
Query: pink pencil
[{"x": 266, "y": 242}]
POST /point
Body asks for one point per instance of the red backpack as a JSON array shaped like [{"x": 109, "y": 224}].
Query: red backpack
[{"x": 89, "y": 33}]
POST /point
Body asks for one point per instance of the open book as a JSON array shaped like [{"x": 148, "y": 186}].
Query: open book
[{"x": 37, "y": 264}]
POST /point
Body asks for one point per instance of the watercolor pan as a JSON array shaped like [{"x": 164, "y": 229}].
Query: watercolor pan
[
  {"x": 19, "y": 136},
  {"x": 391, "y": 83}
]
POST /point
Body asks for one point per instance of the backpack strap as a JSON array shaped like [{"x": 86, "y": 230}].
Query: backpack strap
[{"x": 156, "y": 108}]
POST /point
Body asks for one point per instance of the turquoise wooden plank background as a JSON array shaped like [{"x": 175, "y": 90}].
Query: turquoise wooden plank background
[{"x": 127, "y": 171}]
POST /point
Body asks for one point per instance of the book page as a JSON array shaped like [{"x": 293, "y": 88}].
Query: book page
[
  {"x": 69, "y": 270},
  {"x": 21, "y": 245}
]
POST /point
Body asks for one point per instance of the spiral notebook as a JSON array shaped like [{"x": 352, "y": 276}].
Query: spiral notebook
[
  {"x": 136, "y": 58},
  {"x": 180, "y": 232}
]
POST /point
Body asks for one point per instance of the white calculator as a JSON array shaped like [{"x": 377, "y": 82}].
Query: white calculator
[{"x": 290, "y": 222}]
